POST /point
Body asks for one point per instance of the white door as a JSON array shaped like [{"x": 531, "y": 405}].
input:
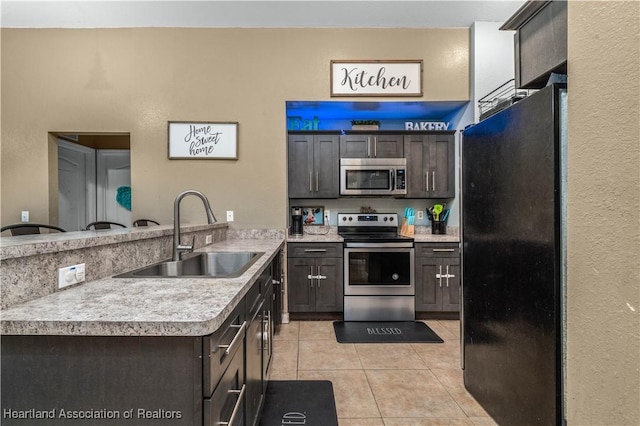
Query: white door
[
  {"x": 76, "y": 186},
  {"x": 113, "y": 172}
]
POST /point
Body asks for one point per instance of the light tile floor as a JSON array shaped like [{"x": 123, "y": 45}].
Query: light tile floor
[{"x": 412, "y": 384}]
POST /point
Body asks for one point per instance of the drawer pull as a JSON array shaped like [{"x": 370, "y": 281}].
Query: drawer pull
[
  {"x": 236, "y": 408},
  {"x": 236, "y": 338},
  {"x": 444, "y": 250},
  {"x": 266, "y": 332},
  {"x": 315, "y": 250}
]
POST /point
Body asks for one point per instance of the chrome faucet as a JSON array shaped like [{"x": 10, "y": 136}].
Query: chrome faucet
[{"x": 178, "y": 248}]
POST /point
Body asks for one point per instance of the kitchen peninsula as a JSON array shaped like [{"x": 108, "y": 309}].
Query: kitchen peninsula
[{"x": 139, "y": 350}]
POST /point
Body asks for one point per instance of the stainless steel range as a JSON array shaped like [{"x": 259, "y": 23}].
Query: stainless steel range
[{"x": 379, "y": 282}]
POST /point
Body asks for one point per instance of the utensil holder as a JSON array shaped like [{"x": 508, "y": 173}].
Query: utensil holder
[
  {"x": 406, "y": 229},
  {"x": 438, "y": 227}
]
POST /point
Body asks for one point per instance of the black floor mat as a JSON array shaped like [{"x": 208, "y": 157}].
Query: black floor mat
[
  {"x": 299, "y": 402},
  {"x": 384, "y": 332}
]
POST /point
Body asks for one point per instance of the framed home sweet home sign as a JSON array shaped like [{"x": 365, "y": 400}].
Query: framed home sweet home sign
[
  {"x": 203, "y": 140},
  {"x": 376, "y": 78}
]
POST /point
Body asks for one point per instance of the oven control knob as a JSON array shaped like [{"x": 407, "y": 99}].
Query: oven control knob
[
  {"x": 350, "y": 218},
  {"x": 391, "y": 218},
  {"x": 344, "y": 218},
  {"x": 386, "y": 218}
]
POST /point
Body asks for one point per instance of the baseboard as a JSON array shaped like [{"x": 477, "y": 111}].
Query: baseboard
[
  {"x": 437, "y": 315},
  {"x": 315, "y": 316}
]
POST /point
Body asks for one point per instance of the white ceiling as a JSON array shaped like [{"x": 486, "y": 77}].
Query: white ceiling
[{"x": 261, "y": 13}]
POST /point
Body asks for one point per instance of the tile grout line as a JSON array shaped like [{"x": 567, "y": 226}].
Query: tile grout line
[{"x": 366, "y": 376}]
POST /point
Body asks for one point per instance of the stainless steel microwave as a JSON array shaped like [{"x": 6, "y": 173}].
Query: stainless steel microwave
[{"x": 373, "y": 176}]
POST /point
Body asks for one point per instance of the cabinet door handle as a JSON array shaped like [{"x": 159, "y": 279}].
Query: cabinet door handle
[
  {"x": 433, "y": 181},
  {"x": 310, "y": 182},
  {"x": 368, "y": 146},
  {"x": 441, "y": 250},
  {"x": 236, "y": 408},
  {"x": 427, "y": 179},
  {"x": 375, "y": 146},
  {"x": 447, "y": 275},
  {"x": 317, "y": 180},
  {"x": 241, "y": 328},
  {"x": 439, "y": 275},
  {"x": 311, "y": 276},
  {"x": 320, "y": 276},
  {"x": 315, "y": 250}
]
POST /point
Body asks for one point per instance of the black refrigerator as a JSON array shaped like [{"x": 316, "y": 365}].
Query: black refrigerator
[{"x": 513, "y": 179}]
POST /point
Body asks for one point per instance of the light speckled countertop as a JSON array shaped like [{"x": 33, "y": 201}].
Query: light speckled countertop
[
  {"x": 330, "y": 235},
  {"x": 142, "y": 306}
]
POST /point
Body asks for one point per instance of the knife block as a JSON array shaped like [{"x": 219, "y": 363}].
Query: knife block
[{"x": 406, "y": 230}]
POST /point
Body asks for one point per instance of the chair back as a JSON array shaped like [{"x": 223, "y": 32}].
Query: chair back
[
  {"x": 30, "y": 228},
  {"x": 103, "y": 224},
  {"x": 144, "y": 222}
]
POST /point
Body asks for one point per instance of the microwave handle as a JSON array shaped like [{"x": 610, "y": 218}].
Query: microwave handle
[{"x": 392, "y": 180}]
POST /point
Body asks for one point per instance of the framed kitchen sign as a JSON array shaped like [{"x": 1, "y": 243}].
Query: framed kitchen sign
[
  {"x": 203, "y": 140},
  {"x": 376, "y": 78}
]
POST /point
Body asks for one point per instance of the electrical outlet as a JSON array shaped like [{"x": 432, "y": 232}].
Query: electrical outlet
[
  {"x": 229, "y": 215},
  {"x": 327, "y": 215},
  {"x": 24, "y": 217},
  {"x": 420, "y": 214},
  {"x": 208, "y": 239},
  {"x": 71, "y": 275}
]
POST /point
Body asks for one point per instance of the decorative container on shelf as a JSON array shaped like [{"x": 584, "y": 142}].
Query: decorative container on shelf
[{"x": 365, "y": 124}]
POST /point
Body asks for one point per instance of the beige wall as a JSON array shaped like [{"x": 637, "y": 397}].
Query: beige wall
[
  {"x": 603, "y": 294},
  {"x": 135, "y": 80}
]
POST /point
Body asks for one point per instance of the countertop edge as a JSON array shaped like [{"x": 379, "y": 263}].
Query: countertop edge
[
  {"x": 29, "y": 245},
  {"x": 211, "y": 322}
]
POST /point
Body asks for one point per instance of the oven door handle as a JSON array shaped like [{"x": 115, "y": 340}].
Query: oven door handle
[{"x": 392, "y": 181}]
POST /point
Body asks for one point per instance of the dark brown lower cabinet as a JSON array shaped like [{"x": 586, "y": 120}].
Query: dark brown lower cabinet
[
  {"x": 315, "y": 277},
  {"x": 437, "y": 277},
  {"x": 102, "y": 380}
]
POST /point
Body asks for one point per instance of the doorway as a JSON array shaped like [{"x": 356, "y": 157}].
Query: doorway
[{"x": 94, "y": 180}]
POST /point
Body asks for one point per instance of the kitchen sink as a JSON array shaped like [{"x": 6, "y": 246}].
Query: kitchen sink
[{"x": 198, "y": 265}]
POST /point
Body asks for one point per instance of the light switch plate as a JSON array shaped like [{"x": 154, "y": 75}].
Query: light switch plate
[
  {"x": 229, "y": 215},
  {"x": 420, "y": 214},
  {"x": 327, "y": 216},
  {"x": 24, "y": 217},
  {"x": 71, "y": 275}
]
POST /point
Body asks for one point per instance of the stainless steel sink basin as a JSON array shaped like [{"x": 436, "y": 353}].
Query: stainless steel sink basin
[{"x": 199, "y": 265}]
